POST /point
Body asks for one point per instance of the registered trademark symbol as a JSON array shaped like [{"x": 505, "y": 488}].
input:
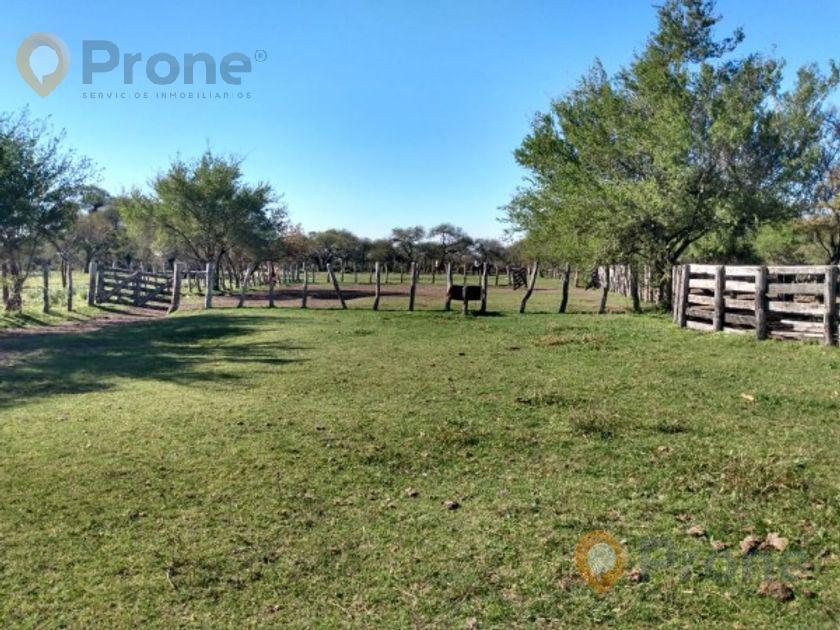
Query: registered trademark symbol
[{"x": 260, "y": 55}]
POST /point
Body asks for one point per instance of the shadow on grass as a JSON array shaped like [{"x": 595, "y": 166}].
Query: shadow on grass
[{"x": 173, "y": 350}]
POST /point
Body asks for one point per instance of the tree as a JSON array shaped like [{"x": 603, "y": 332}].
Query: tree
[
  {"x": 206, "y": 209},
  {"x": 40, "y": 188},
  {"x": 489, "y": 250},
  {"x": 332, "y": 245},
  {"x": 406, "y": 240},
  {"x": 453, "y": 241},
  {"x": 679, "y": 145}
]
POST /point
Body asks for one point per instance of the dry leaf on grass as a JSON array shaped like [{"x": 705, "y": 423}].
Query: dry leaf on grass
[
  {"x": 749, "y": 544},
  {"x": 776, "y": 589},
  {"x": 411, "y": 492},
  {"x": 718, "y": 545},
  {"x": 775, "y": 541},
  {"x": 451, "y": 505},
  {"x": 748, "y": 398},
  {"x": 696, "y": 530},
  {"x": 683, "y": 518},
  {"x": 637, "y": 575}
]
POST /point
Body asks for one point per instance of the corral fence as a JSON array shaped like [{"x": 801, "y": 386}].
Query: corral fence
[
  {"x": 132, "y": 287},
  {"x": 777, "y": 302},
  {"x": 162, "y": 290}
]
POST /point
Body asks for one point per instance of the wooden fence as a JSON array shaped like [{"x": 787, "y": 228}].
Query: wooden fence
[
  {"x": 133, "y": 287},
  {"x": 777, "y": 302}
]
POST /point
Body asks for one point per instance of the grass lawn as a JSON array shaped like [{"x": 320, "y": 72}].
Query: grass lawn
[{"x": 291, "y": 467}]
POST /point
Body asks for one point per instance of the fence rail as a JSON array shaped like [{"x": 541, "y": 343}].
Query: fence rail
[{"x": 777, "y": 302}]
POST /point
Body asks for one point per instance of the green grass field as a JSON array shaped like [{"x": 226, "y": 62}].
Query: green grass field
[{"x": 291, "y": 467}]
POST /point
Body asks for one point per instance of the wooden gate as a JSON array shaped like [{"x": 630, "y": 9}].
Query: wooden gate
[{"x": 145, "y": 289}]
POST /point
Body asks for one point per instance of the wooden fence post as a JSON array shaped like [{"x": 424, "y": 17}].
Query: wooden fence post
[
  {"x": 331, "y": 275},
  {"x": 830, "y": 306},
  {"x": 447, "y": 305},
  {"x": 305, "y": 293},
  {"x": 377, "y": 273},
  {"x": 412, "y": 289},
  {"x": 46, "y": 289},
  {"x": 272, "y": 279},
  {"x": 685, "y": 289},
  {"x": 564, "y": 290},
  {"x": 93, "y": 271},
  {"x": 208, "y": 290},
  {"x": 761, "y": 303},
  {"x": 484, "y": 272},
  {"x": 69, "y": 270},
  {"x": 720, "y": 300},
  {"x": 177, "y": 272},
  {"x": 135, "y": 287},
  {"x": 531, "y": 284}
]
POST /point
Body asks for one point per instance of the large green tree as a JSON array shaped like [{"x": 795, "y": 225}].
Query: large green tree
[
  {"x": 41, "y": 184},
  {"x": 684, "y": 142},
  {"x": 205, "y": 207}
]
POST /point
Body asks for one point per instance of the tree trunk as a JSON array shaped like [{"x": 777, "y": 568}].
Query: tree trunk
[
  {"x": 564, "y": 291},
  {"x": 602, "y": 307},
  {"x": 634, "y": 291},
  {"x": 4, "y": 280}
]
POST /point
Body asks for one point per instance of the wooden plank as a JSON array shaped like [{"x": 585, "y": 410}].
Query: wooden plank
[
  {"x": 719, "y": 304},
  {"x": 700, "y": 313},
  {"x": 91, "y": 295},
  {"x": 377, "y": 272},
  {"x": 707, "y": 269},
  {"x": 412, "y": 289},
  {"x": 795, "y": 288},
  {"x": 830, "y": 306},
  {"x": 695, "y": 298},
  {"x": 796, "y": 307},
  {"x": 700, "y": 283},
  {"x": 331, "y": 275},
  {"x": 740, "y": 270},
  {"x": 735, "y": 303},
  {"x": 684, "y": 286},
  {"x": 761, "y": 303},
  {"x": 799, "y": 325},
  {"x": 739, "y": 285},
  {"x": 449, "y": 282},
  {"x": 791, "y": 334},
  {"x": 797, "y": 269},
  {"x": 305, "y": 293},
  {"x": 739, "y": 320}
]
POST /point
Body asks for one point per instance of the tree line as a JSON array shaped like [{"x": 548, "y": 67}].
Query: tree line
[
  {"x": 197, "y": 211},
  {"x": 689, "y": 152}
]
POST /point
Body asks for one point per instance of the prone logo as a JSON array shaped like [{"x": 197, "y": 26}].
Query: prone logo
[
  {"x": 43, "y": 61},
  {"x": 161, "y": 68},
  {"x": 42, "y": 72}
]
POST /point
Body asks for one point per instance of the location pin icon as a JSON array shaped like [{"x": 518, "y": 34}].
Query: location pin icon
[{"x": 46, "y": 83}]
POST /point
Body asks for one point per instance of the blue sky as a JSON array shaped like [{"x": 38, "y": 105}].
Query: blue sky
[{"x": 366, "y": 115}]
